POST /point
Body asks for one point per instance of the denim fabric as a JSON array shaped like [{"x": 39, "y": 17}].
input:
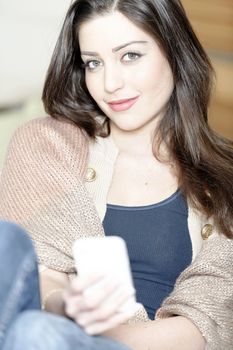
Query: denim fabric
[
  {"x": 23, "y": 326},
  {"x": 50, "y": 332},
  {"x": 18, "y": 275}
]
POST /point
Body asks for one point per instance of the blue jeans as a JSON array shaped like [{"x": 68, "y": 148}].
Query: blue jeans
[{"x": 23, "y": 326}]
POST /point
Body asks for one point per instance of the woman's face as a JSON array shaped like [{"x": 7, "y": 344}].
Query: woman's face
[{"x": 126, "y": 73}]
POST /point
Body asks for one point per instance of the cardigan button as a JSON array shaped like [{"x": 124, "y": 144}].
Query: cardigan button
[
  {"x": 90, "y": 175},
  {"x": 206, "y": 231}
]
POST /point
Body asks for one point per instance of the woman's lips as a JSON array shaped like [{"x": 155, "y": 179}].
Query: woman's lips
[{"x": 122, "y": 105}]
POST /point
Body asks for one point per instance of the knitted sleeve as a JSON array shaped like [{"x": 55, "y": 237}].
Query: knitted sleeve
[
  {"x": 204, "y": 294},
  {"x": 42, "y": 189}
]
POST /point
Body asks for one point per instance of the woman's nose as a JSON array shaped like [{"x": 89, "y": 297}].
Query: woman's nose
[{"x": 113, "y": 79}]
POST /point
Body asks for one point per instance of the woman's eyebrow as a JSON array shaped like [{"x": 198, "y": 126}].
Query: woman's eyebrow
[
  {"x": 115, "y": 49},
  {"x": 129, "y": 43}
]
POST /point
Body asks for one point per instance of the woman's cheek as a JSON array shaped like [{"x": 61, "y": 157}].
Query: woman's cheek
[{"x": 93, "y": 86}]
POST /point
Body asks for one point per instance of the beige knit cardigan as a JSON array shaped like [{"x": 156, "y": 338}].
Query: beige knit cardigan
[{"x": 43, "y": 189}]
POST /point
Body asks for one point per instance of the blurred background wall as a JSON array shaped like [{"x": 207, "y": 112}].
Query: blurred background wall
[
  {"x": 212, "y": 21},
  {"x": 28, "y": 31}
]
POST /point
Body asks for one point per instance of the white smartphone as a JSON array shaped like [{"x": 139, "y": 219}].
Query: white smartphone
[{"x": 108, "y": 256}]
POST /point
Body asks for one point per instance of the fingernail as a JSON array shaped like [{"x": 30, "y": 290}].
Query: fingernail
[
  {"x": 82, "y": 321},
  {"x": 89, "y": 330}
]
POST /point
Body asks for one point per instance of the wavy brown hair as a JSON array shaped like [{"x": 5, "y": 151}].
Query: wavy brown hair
[{"x": 204, "y": 159}]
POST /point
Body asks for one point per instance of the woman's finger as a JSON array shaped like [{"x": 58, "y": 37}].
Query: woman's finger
[
  {"x": 73, "y": 305},
  {"x": 108, "y": 308},
  {"x": 96, "y": 294},
  {"x": 76, "y": 300},
  {"x": 80, "y": 284}
]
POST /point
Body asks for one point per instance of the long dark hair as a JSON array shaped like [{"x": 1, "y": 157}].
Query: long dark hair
[{"x": 203, "y": 158}]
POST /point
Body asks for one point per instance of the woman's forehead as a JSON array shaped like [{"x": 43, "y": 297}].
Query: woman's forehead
[{"x": 112, "y": 30}]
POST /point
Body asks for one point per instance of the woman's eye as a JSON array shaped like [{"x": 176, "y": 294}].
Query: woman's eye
[
  {"x": 131, "y": 56},
  {"x": 92, "y": 65}
]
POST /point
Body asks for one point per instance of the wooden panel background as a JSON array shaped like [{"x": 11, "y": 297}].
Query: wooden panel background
[{"x": 212, "y": 21}]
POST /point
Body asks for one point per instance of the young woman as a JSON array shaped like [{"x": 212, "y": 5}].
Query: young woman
[{"x": 127, "y": 151}]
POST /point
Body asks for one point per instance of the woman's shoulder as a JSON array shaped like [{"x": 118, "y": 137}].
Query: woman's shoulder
[
  {"x": 49, "y": 140},
  {"x": 48, "y": 127},
  {"x": 204, "y": 229},
  {"x": 48, "y": 134}
]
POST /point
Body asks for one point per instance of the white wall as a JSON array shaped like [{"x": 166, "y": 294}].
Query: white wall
[{"x": 28, "y": 31}]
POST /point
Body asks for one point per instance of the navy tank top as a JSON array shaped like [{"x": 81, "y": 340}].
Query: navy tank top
[{"x": 158, "y": 242}]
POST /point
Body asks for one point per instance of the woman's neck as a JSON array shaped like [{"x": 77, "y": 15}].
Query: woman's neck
[{"x": 137, "y": 142}]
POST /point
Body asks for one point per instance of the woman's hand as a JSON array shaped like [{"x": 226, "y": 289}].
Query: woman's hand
[{"x": 98, "y": 303}]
